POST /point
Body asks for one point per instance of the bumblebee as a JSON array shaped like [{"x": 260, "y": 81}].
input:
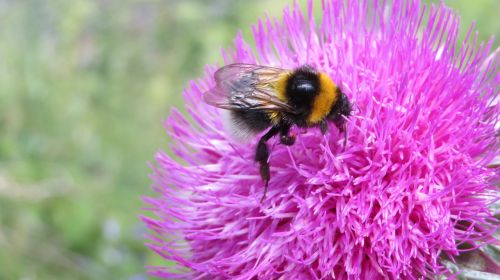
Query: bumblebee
[{"x": 262, "y": 97}]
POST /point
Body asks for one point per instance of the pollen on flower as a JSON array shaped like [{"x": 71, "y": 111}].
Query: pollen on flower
[{"x": 413, "y": 184}]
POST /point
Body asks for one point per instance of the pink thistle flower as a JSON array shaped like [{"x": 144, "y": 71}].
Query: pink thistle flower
[{"x": 413, "y": 184}]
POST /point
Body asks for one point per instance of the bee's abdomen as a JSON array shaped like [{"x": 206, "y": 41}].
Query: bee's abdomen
[{"x": 253, "y": 121}]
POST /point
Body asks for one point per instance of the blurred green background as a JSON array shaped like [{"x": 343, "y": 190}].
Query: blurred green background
[{"x": 84, "y": 88}]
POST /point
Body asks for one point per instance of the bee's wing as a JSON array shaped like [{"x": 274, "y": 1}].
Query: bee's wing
[{"x": 247, "y": 86}]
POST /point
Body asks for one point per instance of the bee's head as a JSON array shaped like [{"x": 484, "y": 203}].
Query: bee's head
[{"x": 342, "y": 108}]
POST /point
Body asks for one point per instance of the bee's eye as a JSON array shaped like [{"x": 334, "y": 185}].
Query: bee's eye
[{"x": 304, "y": 86}]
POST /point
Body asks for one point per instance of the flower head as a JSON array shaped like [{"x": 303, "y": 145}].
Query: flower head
[{"x": 410, "y": 187}]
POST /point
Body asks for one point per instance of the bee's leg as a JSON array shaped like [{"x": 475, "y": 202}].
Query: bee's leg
[
  {"x": 262, "y": 156},
  {"x": 285, "y": 137},
  {"x": 339, "y": 123},
  {"x": 323, "y": 126},
  {"x": 342, "y": 127}
]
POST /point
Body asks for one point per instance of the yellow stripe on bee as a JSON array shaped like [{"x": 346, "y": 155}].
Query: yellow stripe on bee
[
  {"x": 280, "y": 86},
  {"x": 323, "y": 102},
  {"x": 280, "y": 89},
  {"x": 275, "y": 117}
]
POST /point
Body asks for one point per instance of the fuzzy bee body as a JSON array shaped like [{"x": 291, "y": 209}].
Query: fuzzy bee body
[{"x": 261, "y": 97}]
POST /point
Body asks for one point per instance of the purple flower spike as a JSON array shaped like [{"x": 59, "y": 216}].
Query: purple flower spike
[{"x": 411, "y": 188}]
